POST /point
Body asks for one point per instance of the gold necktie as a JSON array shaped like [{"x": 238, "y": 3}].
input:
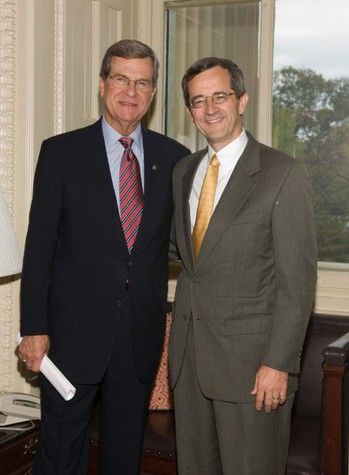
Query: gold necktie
[{"x": 205, "y": 206}]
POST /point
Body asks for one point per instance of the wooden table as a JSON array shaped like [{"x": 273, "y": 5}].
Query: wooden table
[{"x": 17, "y": 450}]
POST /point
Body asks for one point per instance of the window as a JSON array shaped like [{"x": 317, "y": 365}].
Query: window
[
  {"x": 224, "y": 29},
  {"x": 311, "y": 109},
  {"x": 309, "y": 35}
]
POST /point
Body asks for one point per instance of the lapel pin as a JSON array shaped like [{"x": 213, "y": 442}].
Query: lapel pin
[{"x": 154, "y": 167}]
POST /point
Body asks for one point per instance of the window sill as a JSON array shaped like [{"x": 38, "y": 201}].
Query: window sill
[{"x": 332, "y": 293}]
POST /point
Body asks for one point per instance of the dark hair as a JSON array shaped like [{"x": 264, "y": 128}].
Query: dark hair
[
  {"x": 129, "y": 49},
  {"x": 236, "y": 76}
]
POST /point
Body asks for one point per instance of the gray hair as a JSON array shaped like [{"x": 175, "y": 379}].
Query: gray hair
[{"x": 129, "y": 49}]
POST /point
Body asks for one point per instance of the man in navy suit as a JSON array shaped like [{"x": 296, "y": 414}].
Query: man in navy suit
[{"x": 94, "y": 288}]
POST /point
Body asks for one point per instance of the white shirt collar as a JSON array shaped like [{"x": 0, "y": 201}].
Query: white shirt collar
[
  {"x": 112, "y": 136},
  {"x": 230, "y": 154}
]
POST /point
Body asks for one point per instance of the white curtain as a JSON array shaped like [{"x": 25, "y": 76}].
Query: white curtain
[{"x": 231, "y": 31}]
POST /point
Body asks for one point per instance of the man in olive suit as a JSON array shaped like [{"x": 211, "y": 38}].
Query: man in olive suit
[{"x": 244, "y": 231}]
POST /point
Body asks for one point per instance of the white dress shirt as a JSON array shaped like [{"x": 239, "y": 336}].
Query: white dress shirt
[{"x": 228, "y": 157}]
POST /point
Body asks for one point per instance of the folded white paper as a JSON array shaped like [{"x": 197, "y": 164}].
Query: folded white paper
[{"x": 55, "y": 376}]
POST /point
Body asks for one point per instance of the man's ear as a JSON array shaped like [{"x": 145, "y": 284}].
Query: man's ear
[
  {"x": 243, "y": 101},
  {"x": 101, "y": 87},
  {"x": 153, "y": 93},
  {"x": 188, "y": 111}
]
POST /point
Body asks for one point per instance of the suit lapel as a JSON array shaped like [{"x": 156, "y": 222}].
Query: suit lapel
[
  {"x": 239, "y": 187},
  {"x": 95, "y": 164},
  {"x": 154, "y": 167},
  {"x": 150, "y": 159},
  {"x": 187, "y": 185}
]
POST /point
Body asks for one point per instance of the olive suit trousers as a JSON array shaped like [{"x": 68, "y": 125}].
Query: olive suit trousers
[{"x": 226, "y": 438}]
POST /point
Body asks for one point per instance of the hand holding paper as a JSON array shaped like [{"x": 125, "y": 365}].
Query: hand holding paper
[{"x": 55, "y": 376}]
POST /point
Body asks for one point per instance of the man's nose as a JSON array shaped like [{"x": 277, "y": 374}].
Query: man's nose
[
  {"x": 131, "y": 89},
  {"x": 210, "y": 106}
]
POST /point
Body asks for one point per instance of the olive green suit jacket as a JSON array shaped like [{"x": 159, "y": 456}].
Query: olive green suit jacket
[{"x": 250, "y": 291}]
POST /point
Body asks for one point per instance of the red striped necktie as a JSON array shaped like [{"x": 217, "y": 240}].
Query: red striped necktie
[{"x": 131, "y": 193}]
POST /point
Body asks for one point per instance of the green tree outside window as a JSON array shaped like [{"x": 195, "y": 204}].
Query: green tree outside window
[{"x": 311, "y": 123}]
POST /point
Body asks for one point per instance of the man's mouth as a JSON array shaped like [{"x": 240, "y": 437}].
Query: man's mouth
[
  {"x": 128, "y": 104},
  {"x": 213, "y": 120}
]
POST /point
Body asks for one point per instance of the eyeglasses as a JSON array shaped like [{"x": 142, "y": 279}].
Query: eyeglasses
[
  {"x": 142, "y": 85},
  {"x": 217, "y": 98}
]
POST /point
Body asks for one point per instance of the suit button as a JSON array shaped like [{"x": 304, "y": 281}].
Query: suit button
[
  {"x": 130, "y": 263},
  {"x": 119, "y": 303}
]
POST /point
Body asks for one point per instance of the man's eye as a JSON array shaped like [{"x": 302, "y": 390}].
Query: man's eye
[
  {"x": 120, "y": 80},
  {"x": 198, "y": 101}
]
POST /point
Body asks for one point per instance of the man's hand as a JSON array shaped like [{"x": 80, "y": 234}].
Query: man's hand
[
  {"x": 32, "y": 350},
  {"x": 270, "y": 388}
]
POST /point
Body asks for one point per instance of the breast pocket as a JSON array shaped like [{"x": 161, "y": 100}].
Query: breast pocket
[
  {"x": 249, "y": 234},
  {"x": 246, "y": 218}
]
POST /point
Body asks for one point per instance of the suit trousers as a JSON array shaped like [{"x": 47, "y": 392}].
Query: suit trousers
[
  {"x": 65, "y": 425},
  {"x": 225, "y": 438}
]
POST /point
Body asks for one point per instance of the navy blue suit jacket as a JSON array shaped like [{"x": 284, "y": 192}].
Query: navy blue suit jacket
[{"x": 76, "y": 262}]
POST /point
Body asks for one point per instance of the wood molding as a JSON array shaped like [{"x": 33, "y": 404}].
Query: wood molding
[
  {"x": 265, "y": 78},
  {"x": 59, "y": 83},
  {"x": 151, "y": 30},
  {"x": 7, "y": 174}
]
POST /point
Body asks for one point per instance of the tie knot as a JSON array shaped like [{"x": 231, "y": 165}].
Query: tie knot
[
  {"x": 126, "y": 142},
  {"x": 214, "y": 161}
]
